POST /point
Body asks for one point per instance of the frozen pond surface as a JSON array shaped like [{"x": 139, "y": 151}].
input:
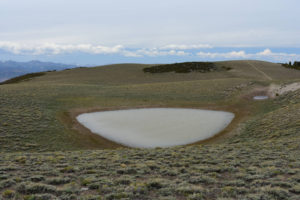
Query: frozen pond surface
[
  {"x": 156, "y": 127},
  {"x": 260, "y": 97}
]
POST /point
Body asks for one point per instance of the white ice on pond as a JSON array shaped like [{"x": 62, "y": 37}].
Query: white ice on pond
[{"x": 156, "y": 127}]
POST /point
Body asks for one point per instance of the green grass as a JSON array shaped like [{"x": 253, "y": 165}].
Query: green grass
[{"x": 44, "y": 157}]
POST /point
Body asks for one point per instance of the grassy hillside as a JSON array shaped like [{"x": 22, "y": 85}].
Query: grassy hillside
[{"x": 45, "y": 154}]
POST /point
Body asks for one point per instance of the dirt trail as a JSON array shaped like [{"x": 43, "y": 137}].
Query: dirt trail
[{"x": 258, "y": 70}]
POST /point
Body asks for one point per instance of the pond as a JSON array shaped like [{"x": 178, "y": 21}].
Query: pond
[
  {"x": 260, "y": 97},
  {"x": 156, "y": 127}
]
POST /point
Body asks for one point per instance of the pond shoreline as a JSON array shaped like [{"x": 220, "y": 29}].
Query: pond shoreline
[
  {"x": 69, "y": 119},
  {"x": 156, "y": 127}
]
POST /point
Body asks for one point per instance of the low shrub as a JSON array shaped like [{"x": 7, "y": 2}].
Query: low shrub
[
  {"x": 6, "y": 183},
  {"x": 58, "y": 181},
  {"x": 68, "y": 169},
  {"x": 186, "y": 67},
  {"x": 190, "y": 189},
  {"x": 8, "y": 194},
  {"x": 34, "y": 188},
  {"x": 37, "y": 178}
]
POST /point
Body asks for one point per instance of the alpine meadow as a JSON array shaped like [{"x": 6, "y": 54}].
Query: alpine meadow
[{"x": 146, "y": 100}]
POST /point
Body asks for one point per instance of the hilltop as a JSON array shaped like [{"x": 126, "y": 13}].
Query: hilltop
[
  {"x": 46, "y": 154},
  {"x": 11, "y": 69}
]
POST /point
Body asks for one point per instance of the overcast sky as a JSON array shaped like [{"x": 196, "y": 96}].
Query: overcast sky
[{"x": 149, "y": 28}]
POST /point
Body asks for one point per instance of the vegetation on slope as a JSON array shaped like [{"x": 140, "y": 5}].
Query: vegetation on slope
[
  {"x": 260, "y": 161},
  {"x": 296, "y": 65},
  {"x": 186, "y": 67}
]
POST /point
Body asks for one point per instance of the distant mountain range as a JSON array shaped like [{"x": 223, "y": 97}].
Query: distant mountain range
[{"x": 10, "y": 69}]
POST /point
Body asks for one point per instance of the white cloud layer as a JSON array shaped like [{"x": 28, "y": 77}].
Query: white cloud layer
[
  {"x": 52, "y": 48},
  {"x": 232, "y": 54},
  {"x": 167, "y": 50},
  {"x": 265, "y": 54},
  {"x": 156, "y": 52},
  {"x": 185, "y": 47}
]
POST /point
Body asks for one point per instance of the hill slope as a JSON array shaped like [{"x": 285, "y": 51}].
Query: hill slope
[
  {"x": 256, "y": 158},
  {"x": 10, "y": 69},
  {"x": 39, "y": 114}
]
